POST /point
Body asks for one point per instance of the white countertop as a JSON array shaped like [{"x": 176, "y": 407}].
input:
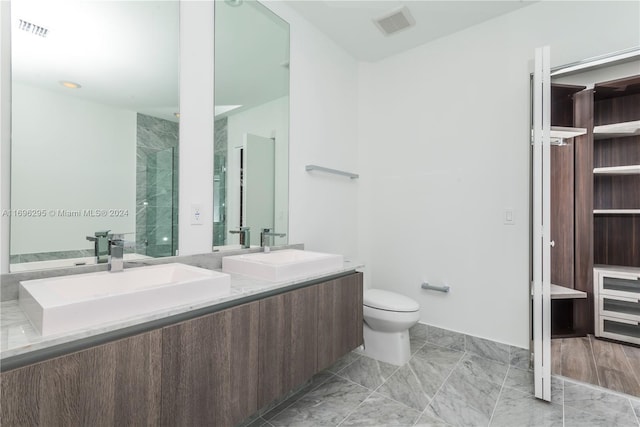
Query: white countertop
[{"x": 18, "y": 336}]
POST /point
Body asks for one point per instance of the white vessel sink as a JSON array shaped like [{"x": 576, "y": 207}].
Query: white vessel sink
[
  {"x": 286, "y": 264},
  {"x": 62, "y": 304}
]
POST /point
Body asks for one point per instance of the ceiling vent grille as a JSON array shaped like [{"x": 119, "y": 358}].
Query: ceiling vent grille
[
  {"x": 31, "y": 28},
  {"x": 395, "y": 21}
]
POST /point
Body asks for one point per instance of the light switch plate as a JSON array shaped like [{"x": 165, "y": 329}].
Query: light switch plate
[
  {"x": 196, "y": 214},
  {"x": 509, "y": 217}
]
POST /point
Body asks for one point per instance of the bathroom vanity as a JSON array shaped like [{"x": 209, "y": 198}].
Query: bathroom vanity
[{"x": 213, "y": 365}]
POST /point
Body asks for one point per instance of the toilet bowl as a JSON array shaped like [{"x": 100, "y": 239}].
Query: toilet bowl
[{"x": 387, "y": 319}]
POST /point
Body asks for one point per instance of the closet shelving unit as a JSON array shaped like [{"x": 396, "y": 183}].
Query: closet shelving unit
[
  {"x": 616, "y": 202},
  {"x": 595, "y": 209},
  {"x": 569, "y": 299}
]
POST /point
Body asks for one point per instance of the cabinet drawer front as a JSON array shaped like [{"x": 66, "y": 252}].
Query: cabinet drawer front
[
  {"x": 621, "y": 285},
  {"x": 626, "y": 308},
  {"x": 619, "y": 329}
]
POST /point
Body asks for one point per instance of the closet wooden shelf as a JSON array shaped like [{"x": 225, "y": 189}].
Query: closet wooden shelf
[
  {"x": 616, "y": 211},
  {"x": 617, "y": 130},
  {"x": 562, "y": 132},
  {"x": 618, "y": 170},
  {"x": 562, "y": 292}
]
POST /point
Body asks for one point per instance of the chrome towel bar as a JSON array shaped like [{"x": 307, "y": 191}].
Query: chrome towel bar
[
  {"x": 444, "y": 288},
  {"x": 333, "y": 171}
]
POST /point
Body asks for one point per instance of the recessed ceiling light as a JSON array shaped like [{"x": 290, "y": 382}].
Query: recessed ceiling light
[
  {"x": 233, "y": 3},
  {"x": 70, "y": 85}
]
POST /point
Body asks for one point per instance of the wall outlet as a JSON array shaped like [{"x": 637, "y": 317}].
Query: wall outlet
[
  {"x": 196, "y": 214},
  {"x": 509, "y": 217}
]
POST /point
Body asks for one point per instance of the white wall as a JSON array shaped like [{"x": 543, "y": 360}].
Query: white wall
[
  {"x": 324, "y": 102},
  {"x": 69, "y": 154},
  {"x": 269, "y": 120},
  {"x": 196, "y": 126},
  {"x": 444, "y": 149}
]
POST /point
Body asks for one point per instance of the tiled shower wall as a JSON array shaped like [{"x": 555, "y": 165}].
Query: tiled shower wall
[{"x": 156, "y": 186}]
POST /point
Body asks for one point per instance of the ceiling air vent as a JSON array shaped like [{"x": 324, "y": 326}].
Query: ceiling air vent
[
  {"x": 34, "y": 29},
  {"x": 395, "y": 21}
]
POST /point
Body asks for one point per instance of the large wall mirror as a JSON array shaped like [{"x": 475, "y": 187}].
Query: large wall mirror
[
  {"x": 95, "y": 117},
  {"x": 251, "y": 147},
  {"x": 94, "y": 129}
]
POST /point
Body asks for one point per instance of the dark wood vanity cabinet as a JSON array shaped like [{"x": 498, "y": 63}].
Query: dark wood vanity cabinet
[
  {"x": 305, "y": 331},
  {"x": 210, "y": 368},
  {"x": 288, "y": 342},
  {"x": 339, "y": 318},
  {"x": 114, "y": 384},
  {"x": 213, "y": 370}
]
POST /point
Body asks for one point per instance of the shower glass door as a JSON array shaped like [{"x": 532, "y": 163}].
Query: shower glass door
[{"x": 158, "y": 217}]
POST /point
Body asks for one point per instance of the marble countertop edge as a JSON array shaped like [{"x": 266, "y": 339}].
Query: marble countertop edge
[{"x": 19, "y": 337}]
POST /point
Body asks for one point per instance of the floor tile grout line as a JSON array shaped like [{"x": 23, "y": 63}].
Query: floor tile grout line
[
  {"x": 419, "y": 383},
  {"x": 322, "y": 382},
  {"x": 601, "y": 390},
  {"x": 377, "y": 387},
  {"x": 634, "y": 378},
  {"x": 635, "y": 374},
  {"x": 384, "y": 382},
  {"x": 633, "y": 411},
  {"x": 504, "y": 381},
  {"x": 296, "y": 401},
  {"x": 561, "y": 357},
  {"x": 596, "y": 387},
  {"x": 347, "y": 365},
  {"x": 563, "y": 422},
  {"x": 356, "y": 408},
  {"x": 374, "y": 391},
  {"x": 464, "y": 353},
  {"x": 595, "y": 364}
]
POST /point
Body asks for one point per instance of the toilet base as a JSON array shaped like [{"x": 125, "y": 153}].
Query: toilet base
[{"x": 388, "y": 347}]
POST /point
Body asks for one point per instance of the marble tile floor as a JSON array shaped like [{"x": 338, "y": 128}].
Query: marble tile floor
[
  {"x": 611, "y": 365},
  {"x": 442, "y": 386}
]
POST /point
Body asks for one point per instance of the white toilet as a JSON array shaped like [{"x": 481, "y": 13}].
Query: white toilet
[{"x": 387, "y": 319}]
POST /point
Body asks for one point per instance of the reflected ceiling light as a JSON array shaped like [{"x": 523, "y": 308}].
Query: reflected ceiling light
[
  {"x": 233, "y": 3},
  {"x": 221, "y": 109},
  {"x": 70, "y": 85},
  {"x": 177, "y": 115}
]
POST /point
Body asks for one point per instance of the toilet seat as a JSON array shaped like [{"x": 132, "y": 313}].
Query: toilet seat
[{"x": 389, "y": 301}]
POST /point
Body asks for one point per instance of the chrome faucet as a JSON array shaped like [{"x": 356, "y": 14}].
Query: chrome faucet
[
  {"x": 116, "y": 253},
  {"x": 264, "y": 238},
  {"x": 245, "y": 236},
  {"x": 100, "y": 245}
]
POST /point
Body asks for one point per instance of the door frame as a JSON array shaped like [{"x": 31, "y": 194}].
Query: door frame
[{"x": 540, "y": 196}]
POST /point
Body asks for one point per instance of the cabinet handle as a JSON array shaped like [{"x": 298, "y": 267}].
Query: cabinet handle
[{"x": 552, "y": 243}]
